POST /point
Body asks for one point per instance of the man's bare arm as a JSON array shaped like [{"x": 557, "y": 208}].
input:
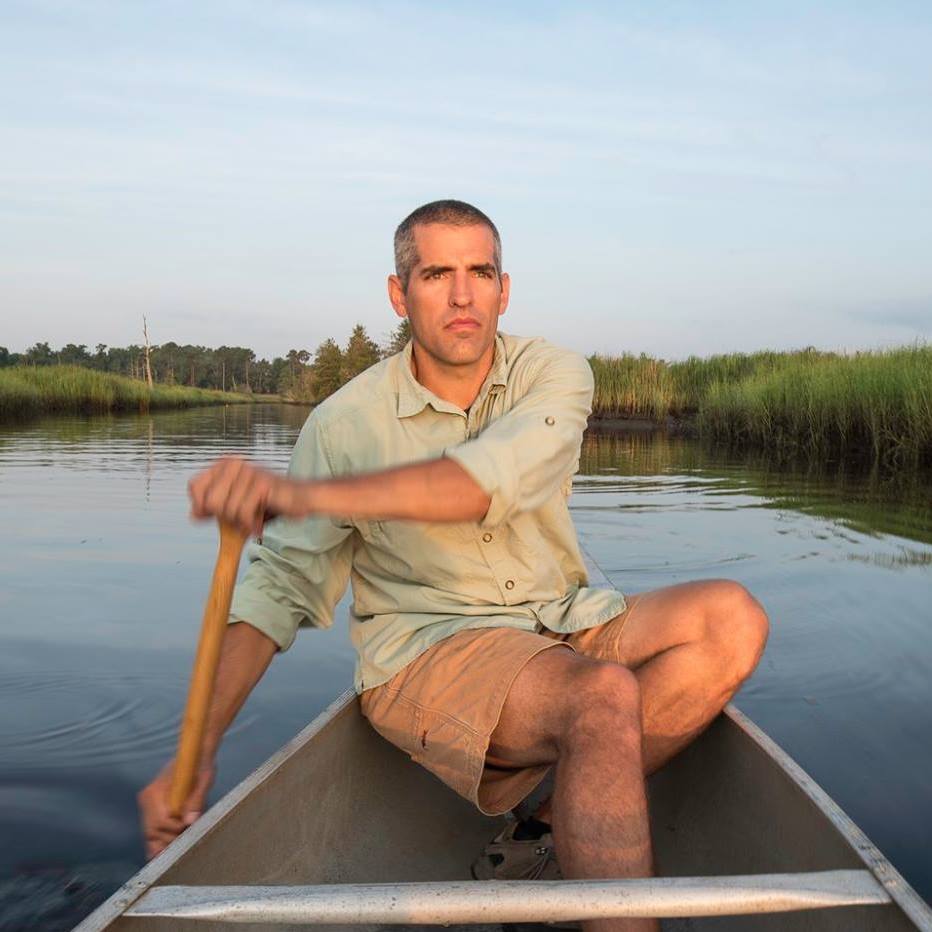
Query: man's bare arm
[
  {"x": 244, "y": 657},
  {"x": 435, "y": 490}
]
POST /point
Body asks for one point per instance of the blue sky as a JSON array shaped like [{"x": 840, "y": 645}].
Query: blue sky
[{"x": 669, "y": 178}]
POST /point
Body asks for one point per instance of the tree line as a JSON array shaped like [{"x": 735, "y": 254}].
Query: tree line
[{"x": 298, "y": 375}]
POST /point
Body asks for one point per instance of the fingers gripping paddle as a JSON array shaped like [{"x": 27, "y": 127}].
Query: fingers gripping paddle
[{"x": 214, "y": 625}]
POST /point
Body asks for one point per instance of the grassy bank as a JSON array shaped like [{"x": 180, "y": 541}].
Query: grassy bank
[
  {"x": 802, "y": 403},
  {"x": 27, "y": 391}
]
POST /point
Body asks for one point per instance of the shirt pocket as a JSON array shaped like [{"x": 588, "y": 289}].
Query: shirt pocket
[
  {"x": 442, "y": 560},
  {"x": 395, "y": 535}
]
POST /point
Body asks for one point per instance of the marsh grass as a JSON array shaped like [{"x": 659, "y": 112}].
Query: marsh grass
[
  {"x": 632, "y": 386},
  {"x": 876, "y": 403},
  {"x": 27, "y": 391},
  {"x": 804, "y": 403}
]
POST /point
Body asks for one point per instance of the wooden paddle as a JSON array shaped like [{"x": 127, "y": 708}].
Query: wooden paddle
[{"x": 216, "y": 611}]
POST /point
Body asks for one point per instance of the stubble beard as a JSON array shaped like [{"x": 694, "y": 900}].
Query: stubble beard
[{"x": 456, "y": 352}]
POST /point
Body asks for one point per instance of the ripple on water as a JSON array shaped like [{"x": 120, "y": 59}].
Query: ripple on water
[
  {"x": 829, "y": 685},
  {"x": 78, "y": 720},
  {"x": 129, "y": 456}
]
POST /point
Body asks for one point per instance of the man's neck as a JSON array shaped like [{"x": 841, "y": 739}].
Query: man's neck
[{"x": 457, "y": 384}]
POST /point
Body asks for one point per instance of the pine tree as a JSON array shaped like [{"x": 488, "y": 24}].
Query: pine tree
[
  {"x": 398, "y": 339},
  {"x": 361, "y": 352},
  {"x": 327, "y": 370}
]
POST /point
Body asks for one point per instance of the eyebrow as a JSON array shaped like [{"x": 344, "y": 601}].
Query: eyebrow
[
  {"x": 478, "y": 267},
  {"x": 433, "y": 269}
]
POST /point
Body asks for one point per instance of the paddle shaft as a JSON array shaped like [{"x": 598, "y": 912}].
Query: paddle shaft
[{"x": 216, "y": 611}]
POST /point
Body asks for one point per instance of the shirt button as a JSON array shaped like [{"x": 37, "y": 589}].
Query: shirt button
[
  {"x": 486, "y": 537},
  {"x": 509, "y": 584},
  {"x": 549, "y": 421}
]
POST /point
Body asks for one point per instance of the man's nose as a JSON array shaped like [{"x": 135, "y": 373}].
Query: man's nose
[{"x": 461, "y": 289}]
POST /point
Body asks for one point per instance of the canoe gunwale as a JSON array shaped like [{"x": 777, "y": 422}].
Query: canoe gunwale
[{"x": 901, "y": 893}]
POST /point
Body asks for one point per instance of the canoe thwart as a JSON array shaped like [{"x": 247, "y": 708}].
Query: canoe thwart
[{"x": 513, "y": 901}]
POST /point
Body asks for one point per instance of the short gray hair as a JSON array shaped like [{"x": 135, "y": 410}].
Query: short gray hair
[{"x": 453, "y": 213}]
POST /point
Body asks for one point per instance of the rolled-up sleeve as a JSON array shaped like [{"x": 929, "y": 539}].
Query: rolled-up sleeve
[
  {"x": 522, "y": 458},
  {"x": 300, "y": 570}
]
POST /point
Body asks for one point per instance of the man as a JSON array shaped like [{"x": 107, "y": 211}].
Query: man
[{"x": 438, "y": 481}]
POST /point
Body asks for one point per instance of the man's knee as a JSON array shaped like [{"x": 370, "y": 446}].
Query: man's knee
[
  {"x": 604, "y": 703},
  {"x": 738, "y": 625}
]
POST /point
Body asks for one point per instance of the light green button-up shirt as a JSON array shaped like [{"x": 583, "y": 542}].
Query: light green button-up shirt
[{"x": 415, "y": 583}]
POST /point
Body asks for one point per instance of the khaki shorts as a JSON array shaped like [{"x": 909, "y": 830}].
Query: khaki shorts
[{"x": 442, "y": 708}]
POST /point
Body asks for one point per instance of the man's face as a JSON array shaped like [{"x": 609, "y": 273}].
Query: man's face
[{"x": 454, "y": 295}]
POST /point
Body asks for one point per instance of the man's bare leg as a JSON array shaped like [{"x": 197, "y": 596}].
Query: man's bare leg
[
  {"x": 690, "y": 646},
  {"x": 585, "y": 716}
]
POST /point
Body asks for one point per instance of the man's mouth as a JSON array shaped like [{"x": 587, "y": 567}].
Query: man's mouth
[{"x": 462, "y": 323}]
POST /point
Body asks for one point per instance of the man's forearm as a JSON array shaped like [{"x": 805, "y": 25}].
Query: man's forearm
[
  {"x": 436, "y": 490},
  {"x": 244, "y": 657},
  {"x": 244, "y": 495}
]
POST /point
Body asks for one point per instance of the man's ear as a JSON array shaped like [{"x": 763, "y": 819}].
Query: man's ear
[
  {"x": 396, "y": 295},
  {"x": 506, "y": 294}
]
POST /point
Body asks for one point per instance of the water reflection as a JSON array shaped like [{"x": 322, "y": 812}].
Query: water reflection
[
  {"x": 865, "y": 499},
  {"x": 244, "y": 429},
  {"x": 105, "y": 579}
]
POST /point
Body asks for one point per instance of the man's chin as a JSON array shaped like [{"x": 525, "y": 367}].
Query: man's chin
[
  {"x": 464, "y": 352},
  {"x": 463, "y": 348}
]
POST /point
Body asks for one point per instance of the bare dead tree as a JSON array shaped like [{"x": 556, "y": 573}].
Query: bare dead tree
[{"x": 145, "y": 333}]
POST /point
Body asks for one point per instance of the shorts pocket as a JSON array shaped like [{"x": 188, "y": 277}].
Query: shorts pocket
[
  {"x": 447, "y": 748},
  {"x": 393, "y": 716}
]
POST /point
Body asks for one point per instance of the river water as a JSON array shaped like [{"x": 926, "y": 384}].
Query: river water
[{"x": 104, "y": 580}]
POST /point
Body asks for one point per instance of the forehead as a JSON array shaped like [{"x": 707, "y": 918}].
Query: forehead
[{"x": 443, "y": 243}]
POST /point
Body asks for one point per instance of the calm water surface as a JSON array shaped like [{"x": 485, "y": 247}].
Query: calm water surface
[{"x": 104, "y": 580}]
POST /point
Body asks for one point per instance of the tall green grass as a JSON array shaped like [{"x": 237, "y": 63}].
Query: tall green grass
[
  {"x": 801, "y": 403},
  {"x": 878, "y": 403},
  {"x": 694, "y": 378},
  {"x": 27, "y": 391},
  {"x": 632, "y": 386}
]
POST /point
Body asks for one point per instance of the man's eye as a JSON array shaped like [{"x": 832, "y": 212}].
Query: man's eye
[{"x": 436, "y": 275}]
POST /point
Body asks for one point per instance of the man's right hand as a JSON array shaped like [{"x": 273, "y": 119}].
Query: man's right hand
[{"x": 159, "y": 826}]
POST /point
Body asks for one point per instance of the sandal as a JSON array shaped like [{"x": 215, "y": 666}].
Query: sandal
[{"x": 504, "y": 858}]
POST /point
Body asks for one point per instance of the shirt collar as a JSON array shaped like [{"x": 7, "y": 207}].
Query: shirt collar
[{"x": 413, "y": 397}]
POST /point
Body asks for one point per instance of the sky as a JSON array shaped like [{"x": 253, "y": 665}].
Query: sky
[{"x": 668, "y": 178}]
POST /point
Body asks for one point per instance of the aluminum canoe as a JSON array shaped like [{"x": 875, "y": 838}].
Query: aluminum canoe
[{"x": 340, "y": 830}]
